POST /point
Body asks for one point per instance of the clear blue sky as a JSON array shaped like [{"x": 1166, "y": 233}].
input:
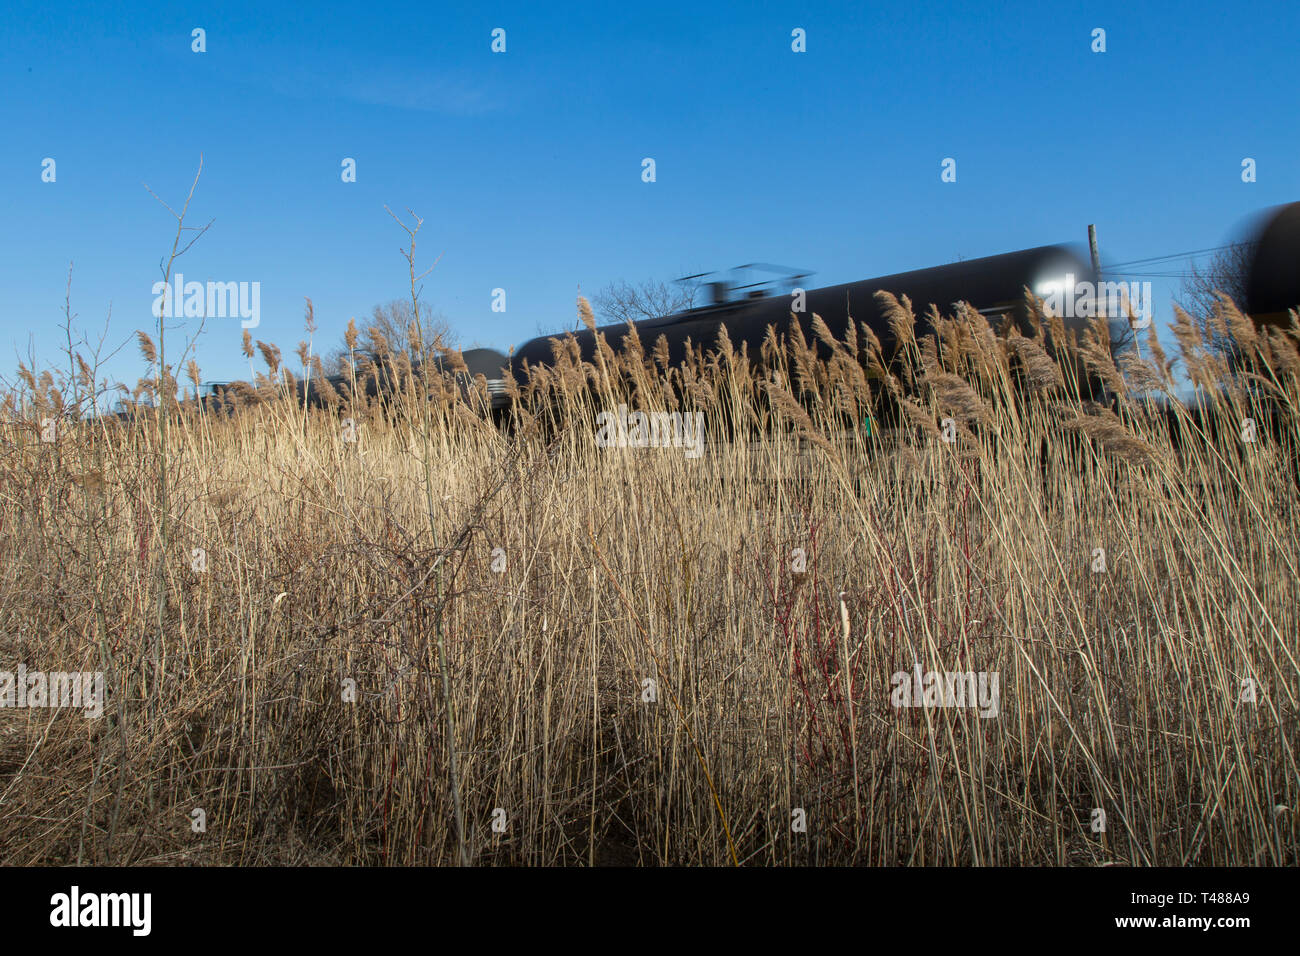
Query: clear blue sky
[{"x": 526, "y": 166}]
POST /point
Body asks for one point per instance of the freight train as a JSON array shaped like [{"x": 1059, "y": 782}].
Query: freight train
[{"x": 994, "y": 286}]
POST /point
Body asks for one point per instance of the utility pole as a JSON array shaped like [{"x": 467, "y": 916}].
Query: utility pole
[{"x": 1096, "y": 268}]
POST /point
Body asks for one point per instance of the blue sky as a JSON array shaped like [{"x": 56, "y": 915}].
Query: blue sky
[{"x": 526, "y": 165}]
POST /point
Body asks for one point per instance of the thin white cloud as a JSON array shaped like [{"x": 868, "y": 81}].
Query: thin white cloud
[
  {"x": 418, "y": 88},
  {"x": 432, "y": 94}
]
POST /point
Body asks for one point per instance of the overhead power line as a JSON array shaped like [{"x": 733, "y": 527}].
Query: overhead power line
[{"x": 1177, "y": 255}]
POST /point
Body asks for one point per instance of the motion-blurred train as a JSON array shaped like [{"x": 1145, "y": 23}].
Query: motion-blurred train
[{"x": 993, "y": 285}]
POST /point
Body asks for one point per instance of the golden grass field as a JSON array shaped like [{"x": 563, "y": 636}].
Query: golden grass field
[{"x": 353, "y": 674}]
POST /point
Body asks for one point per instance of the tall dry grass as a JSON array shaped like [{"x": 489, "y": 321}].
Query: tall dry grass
[{"x": 768, "y": 589}]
